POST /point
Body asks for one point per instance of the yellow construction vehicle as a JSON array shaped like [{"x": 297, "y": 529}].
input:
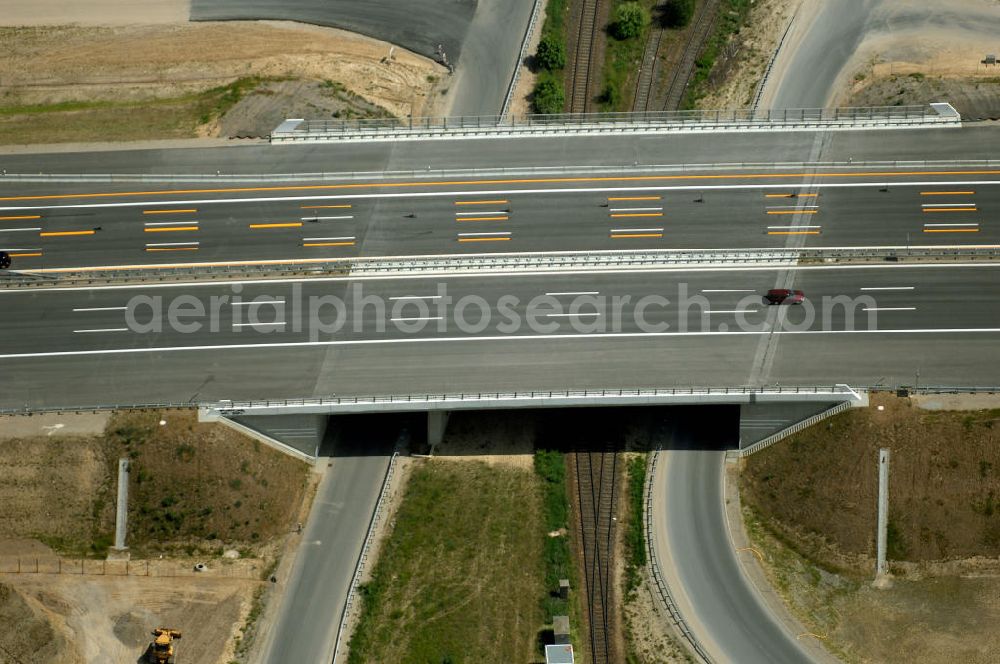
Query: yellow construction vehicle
[{"x": 161, "y": 650}]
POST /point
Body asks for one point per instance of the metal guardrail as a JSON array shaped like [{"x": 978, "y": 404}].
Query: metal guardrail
[
  {"x": 505, "y": 109},
  {"x": 359, "y": 267},
  {"x": 735, "y": 390},
  {"x": 654, "y": 564},
  {"x": 770, "y": 63},
  {"x": 363, "y": 558},
  {"x": 795, "y": 428},
  {"x": 568, "y": 123},
  {"x": 228, "y": 407}
]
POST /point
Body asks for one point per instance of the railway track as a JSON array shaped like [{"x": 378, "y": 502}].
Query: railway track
[
  {"x": 595, "y": 484},
  {"x": 645, "y": 81},
  {"x": 704, "y": 19},
  {"x": 583, "y": 58}
]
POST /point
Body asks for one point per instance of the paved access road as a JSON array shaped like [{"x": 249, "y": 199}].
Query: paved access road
[
  {"x": 309, "y": 614},
  {"x": 693, "y": 544},
  {"x": 55, "y": 225},
  {"x": 290, "y": 338}
]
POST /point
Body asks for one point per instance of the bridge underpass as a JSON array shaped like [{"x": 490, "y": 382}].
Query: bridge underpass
[{"x": 300, "y": 427}]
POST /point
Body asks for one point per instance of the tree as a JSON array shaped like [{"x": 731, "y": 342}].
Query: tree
[
  {"x": 630, "y": 19},
  {"x": 678, "y": 13},
  {"x": 549, "y": 97},
  {"x": 551, "y": 52}
]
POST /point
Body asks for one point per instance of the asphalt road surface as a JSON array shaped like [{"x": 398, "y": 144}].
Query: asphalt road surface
[
  {"x": 51, "y": 225},
  {"x": 290, "y": 338},
  {"x": 707, "y": 582},
  {"x": 481, "y": 37},
  {"x": 309, "y": 614}
]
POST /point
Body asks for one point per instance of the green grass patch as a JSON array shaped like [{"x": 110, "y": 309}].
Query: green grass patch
[
  {"x": 111, "y": 120},
  {"x": 635, "y": 539},
  {"x": 622, "y": 61},
  {"x": 549, "y": 93},
  {"x": 459, "y": 575},
  {"x": 732, "y": 17}
]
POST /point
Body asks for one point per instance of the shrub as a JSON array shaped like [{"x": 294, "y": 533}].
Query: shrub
[
  {"x": 551, "y": 54},
  {"x": 548, "y": 97},
  {"x": 678, "y": 13},
  {"x": 630, "y": 19}
]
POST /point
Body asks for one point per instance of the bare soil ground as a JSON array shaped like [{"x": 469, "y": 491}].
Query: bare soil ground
[
  {"x": 121, "y": 82},
  {"x": 196, "y": 490},
  {"x": 821, "y": 484},
  {"x": 74, "y": 618},
  {"x": 809, "y": 507}
]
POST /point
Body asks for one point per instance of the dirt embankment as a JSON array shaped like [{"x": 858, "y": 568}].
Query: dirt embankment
[
  {"x": 198, "y": 493},
  {"x": 810, "y": 510},
  {"x": 819, "y": 488},
  {"x": 117, "y": 82}
]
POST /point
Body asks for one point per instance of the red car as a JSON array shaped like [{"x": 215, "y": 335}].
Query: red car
[{"x": 784, "y": 296}]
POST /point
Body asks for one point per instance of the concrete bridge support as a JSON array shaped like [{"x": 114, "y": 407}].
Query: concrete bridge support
[{"x": 437, "y": 421}]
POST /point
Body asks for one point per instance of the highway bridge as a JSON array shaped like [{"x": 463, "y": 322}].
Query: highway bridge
[
  {"x": 330, "y": 208},
  {"x": 564, "y": 270}
]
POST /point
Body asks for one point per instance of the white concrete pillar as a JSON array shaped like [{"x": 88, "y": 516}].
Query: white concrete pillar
[
  {"x": 437, "y": 420},
  {"x": 121, "y": 513},
  {"x": 881, "y": 568}
]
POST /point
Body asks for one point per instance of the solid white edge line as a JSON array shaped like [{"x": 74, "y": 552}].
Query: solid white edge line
[
  {"x": 787, "y": 227},
  {"x": 484, "y": 234},
  {"x": 950, "y": 225},
  {"x": 481, "y": 214},
  {"x": 260, "y": 303},
  {"x": 881, "y": 288},
  {"x": 171, "y": 223},
  {"x": 948, "y": 205},
  {"x": 505, "y": 192},
  {"x": 636, "y": 230},
  {"x": 171, "y": 244},
  {"x": 15, "y": 230},
  {"x": 350, "y": 216},
  {"x": 415, "y": 297},
  {"x": 532, "y": 337},
  {"x": 581, "y": 313},
  {"x": 728, "y": 290},
  {"x": 889, "y": 309},
  {"x": 652, "y": 209},
  {"x": 730, "y": 311},
  {"x": 575, "y": 293},
  {"x": 274, "y": 324},
  {"x": 329, "y": 239}
]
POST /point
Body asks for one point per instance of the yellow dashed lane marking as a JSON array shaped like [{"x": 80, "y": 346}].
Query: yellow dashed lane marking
[
  {"x": 65, "y": 233},
  {"x": 289, "y": 224}
]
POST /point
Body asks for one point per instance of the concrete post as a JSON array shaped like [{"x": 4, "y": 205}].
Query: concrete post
[
  {"x": 437, "y": 420},
  {"x": 121, "y": 515},
  {"x": 881, "y": 569}
]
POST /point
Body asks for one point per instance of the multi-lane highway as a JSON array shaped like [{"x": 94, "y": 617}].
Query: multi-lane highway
[
  {"x": 59, "y": 344},
  {"x": 300, "y": 337}
]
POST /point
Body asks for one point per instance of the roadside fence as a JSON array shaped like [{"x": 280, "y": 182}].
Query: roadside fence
[
  {"x": 383, "y": 129},
  {"x": 151, "y": 568}
]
